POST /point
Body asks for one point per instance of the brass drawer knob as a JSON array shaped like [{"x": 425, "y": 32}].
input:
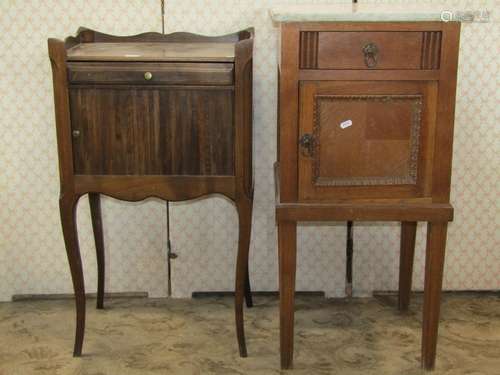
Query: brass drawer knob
[
  {"x": 76, "y": 133},
  {"x": 148, "y": 76},
  {"x": 371, "y": 55}
]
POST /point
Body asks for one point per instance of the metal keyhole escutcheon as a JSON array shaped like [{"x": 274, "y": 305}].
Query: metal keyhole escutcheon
[
  {"x": 371, "y": 55},
  {"x": 307, "y": 144}
]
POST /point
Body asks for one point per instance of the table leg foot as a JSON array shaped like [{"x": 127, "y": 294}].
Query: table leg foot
[{"x": 248, "y": 290}]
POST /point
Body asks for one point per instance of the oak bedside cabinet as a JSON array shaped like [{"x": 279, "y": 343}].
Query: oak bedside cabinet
[
  {"x": 153, "y": 115},
  {"x": 366, "y": 111}
]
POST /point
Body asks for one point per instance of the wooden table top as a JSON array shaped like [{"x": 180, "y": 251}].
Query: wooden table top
[{"x": 198, "y": 52}]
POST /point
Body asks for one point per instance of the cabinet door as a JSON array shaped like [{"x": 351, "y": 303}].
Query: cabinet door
[
  {"x": 152, "y": 131},
  {"x": 366, "y": 140}
]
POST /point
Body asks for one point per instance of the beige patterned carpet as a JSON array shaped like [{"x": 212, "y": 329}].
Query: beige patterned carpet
[{"x": 148, "y": 336}]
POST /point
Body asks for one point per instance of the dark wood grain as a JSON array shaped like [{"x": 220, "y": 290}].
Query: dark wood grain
[
  {"x": 152, "y": 132},
  {"x": 162, "y": 74},
  {"x": 407, "y": 251}
]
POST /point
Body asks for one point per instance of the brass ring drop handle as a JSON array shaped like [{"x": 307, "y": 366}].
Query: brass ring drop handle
[
  {"x": 307, "y": 144},
  {"x": 370, "y": 51}
]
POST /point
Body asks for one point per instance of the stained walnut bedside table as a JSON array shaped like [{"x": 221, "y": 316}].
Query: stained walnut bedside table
[
  {"x": 366, "y": 111},
  {"x": 153, "y": 115}
]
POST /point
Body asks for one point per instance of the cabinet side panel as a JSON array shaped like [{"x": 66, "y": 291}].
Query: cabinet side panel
[
  {"x": 441, "y": 177},
  {"x": 288, "y": 111},
  {"x": 57, "y": 54}
]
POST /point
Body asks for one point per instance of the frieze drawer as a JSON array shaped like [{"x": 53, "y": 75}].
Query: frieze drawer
[
  {"x": 151, "y": 73},
  {"x": 370, "y": 50}
]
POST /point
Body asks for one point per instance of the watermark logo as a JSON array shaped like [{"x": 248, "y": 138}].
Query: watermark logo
[{"x": 482, "y": 15}]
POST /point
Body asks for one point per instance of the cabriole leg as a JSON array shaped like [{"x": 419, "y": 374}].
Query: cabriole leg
[{"x": 67, "y": 205}]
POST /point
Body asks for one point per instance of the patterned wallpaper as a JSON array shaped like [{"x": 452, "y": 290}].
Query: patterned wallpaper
[{"x": 204, "y": 232}]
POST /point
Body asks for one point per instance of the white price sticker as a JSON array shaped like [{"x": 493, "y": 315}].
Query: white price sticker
[{"x": 345, "y": 124}]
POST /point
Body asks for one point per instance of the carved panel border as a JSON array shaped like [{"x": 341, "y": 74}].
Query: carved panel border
[{"x": 416, "y": 119}]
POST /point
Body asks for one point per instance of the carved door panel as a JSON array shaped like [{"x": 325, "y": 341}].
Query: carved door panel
[
  {"x": 366, "y": 140},
  {"x": 152, "y": 131}
]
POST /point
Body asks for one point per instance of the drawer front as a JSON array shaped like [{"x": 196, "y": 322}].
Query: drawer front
[
  {"x": 151, "y": 73},
  {"x": 366, "y": 140},
  {"x": 370, "y": 50}
]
